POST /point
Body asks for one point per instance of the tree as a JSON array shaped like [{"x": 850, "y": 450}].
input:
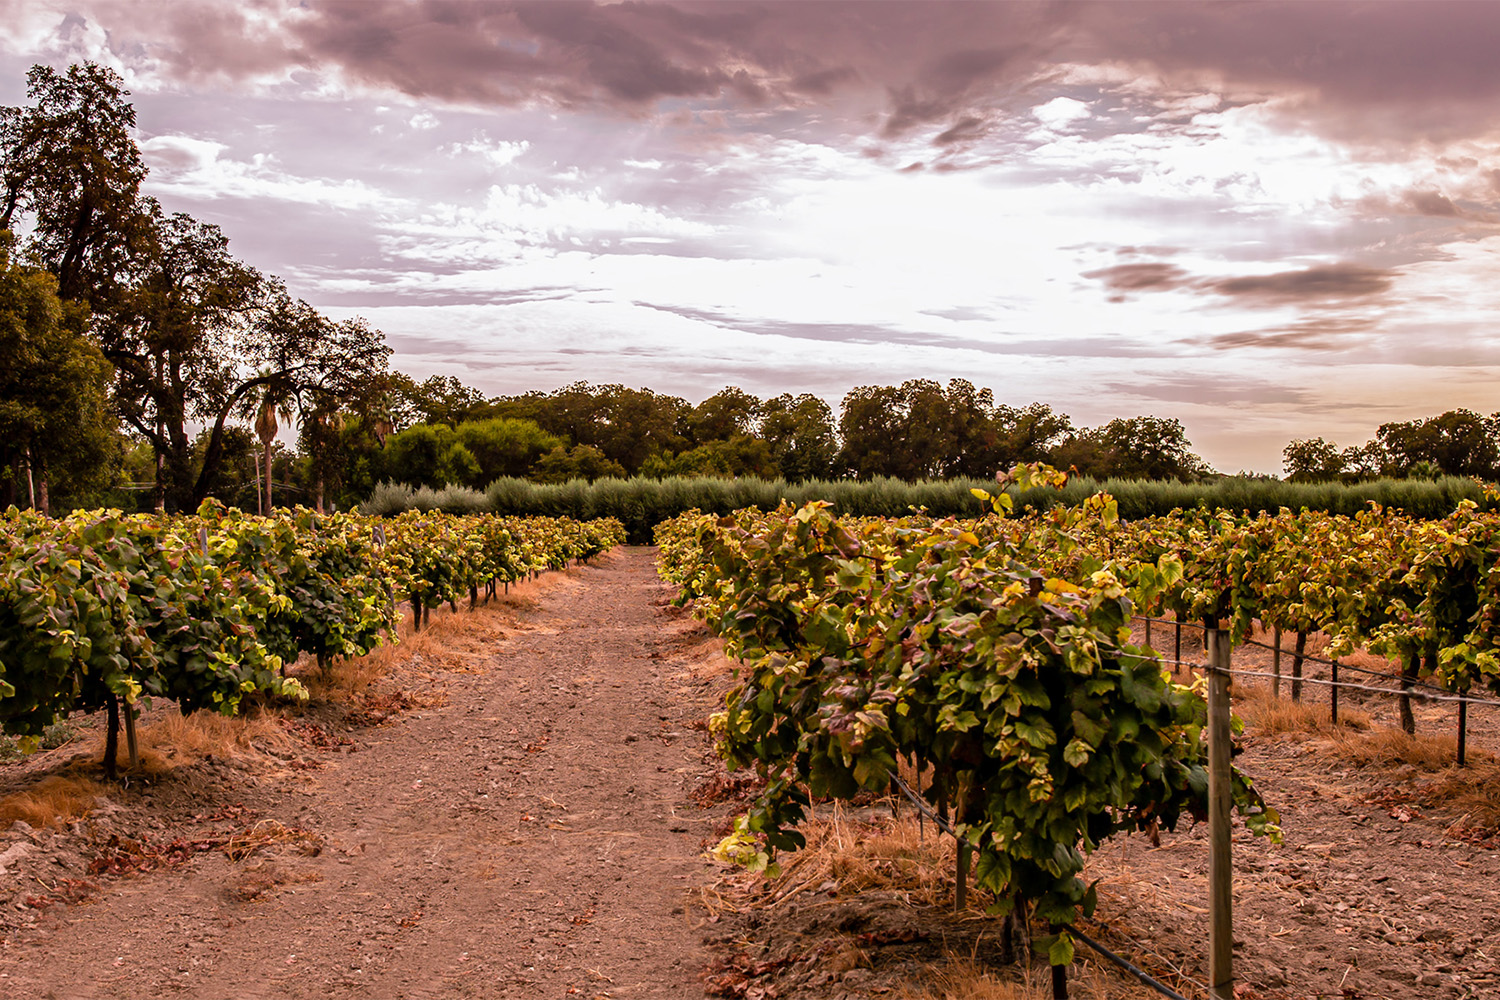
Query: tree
[
  {"x": 1133, "y": 448},
  {"x": 194, "y": 334},
  {"x": 919, "y": 430},
  {"x": 626, "y": 425},
  {"x": 799, "y": 432},
  {"x": 504, "y": 447},
  {"x": 443, "y": 399},
  {"x": 70, "y": 163},
  {"x": 1029, "y": 434},
  {"x": 729, "y": 412},
  {"x": 56, "y": 426},
  {"x": 1312, "y": 461},
  {"x": 740, "y": 455},
  {"x": 579, "y": 462},
  {"x": 872, "y": 425},
  {"x": 1457, "y": 443},
  {"x": 430, "y": 455}
]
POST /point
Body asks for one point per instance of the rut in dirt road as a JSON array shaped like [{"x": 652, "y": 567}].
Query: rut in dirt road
[{"x": 529, "y": 838}]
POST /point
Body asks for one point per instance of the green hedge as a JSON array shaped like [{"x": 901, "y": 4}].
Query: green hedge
[{"x": 641, "y": 503}]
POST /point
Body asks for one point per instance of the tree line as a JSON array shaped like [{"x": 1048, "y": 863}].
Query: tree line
[
  {"x": 1456, "y": 443},
  {"x": 453, "y": 435}
]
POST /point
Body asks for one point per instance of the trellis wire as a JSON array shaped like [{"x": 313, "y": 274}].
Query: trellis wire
[
  {"x": 1305, "y": 658},
  {"x": 1458, "y": 699}
]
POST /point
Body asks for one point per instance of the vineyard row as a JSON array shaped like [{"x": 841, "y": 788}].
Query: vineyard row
[
  {"x": 996, "y": 651},
  {"x": 206, "y": 610}
]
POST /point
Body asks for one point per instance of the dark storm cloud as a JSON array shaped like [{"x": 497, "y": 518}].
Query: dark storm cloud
[
  {"x": 1432, "y": 203},
  {"x": 1362, "y": 69},
  {"x": 1373, "y": 73}
]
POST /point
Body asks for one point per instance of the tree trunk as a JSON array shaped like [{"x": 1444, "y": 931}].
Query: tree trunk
[
  {"x": 270, "y": 506},
  {"x": 1410, "y": 667},
  {"x": 43, "y": 499}
]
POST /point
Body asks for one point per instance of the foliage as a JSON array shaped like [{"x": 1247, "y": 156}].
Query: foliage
[
  {"x": 206, "y": 610},
  {"x": 55, "y": 420},
  {"x": 430, "y": 455},
  {"x": 997, "y": 656},
  {"x": 643, "y": 502},
  {"x": 501, "y": 447},
  {"x": 1133, "y": 448},
  {"x": 799, "y": 431},
  {"x": 582, "y": 461}
]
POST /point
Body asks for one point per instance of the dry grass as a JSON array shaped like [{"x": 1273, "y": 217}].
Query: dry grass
[
  {"x": 449, "y": 641},
  {"x": 55, "y": 800},
  {"x": 1423, "y": 770},
  {"x": 1390, "y": 748},
  {"x": 858, "y": 856},
  {"x": 1269, "y": 715},
  {"x": 962, "y": 978},
  {"x": 177, "y": 739}
]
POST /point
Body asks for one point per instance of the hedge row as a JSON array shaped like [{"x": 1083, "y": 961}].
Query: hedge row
[{"x": 642, "y": 503}]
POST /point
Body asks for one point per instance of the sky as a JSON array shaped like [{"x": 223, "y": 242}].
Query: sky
[{"x": 1267, "y": 220}]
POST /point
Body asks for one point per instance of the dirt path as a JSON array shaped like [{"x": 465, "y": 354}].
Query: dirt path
[{"x": 529, "y": 837}]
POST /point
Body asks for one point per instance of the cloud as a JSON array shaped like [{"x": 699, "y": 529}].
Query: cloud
[
  {"x": 1313, "y": 285},
  {"x": 195, "y": 169},
  {"x": 1210, "y": 389},
  {"x": 1322, "y": 285},
  {"x": 1320, "y": 333},
  {"x": 1149, "y": 277},
  {"x": 1061, "y": 112}
]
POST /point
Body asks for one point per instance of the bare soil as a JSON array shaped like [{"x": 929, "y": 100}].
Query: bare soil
[
  {"x": 528, "y": 835},
  {"x": 521, "y": 810}
]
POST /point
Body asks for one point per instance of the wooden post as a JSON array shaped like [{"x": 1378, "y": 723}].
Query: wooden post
[
  {"x": 1220, "y": 867},
  {"x": 130, "y": 744},
  {"x": 1177, "y": 642},
  {"x": 1333, "y": 691},
  {"x": 961, "y": 884},
  {"x": 1463, "y": 726},
  {"x": 1148, "y": 631},
  {"x": 1276, "y": 665}
]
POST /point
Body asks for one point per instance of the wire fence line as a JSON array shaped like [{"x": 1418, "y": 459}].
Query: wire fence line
[
  {"x": 1422, "y": 695},
  {"x": 1411, "y": 687}
]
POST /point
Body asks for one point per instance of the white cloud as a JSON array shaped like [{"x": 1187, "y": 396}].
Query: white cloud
[
  {"x": 496, "y": 153},
  {"x": 195, "y": 169},
  {"x": 1060, "y": 112}
]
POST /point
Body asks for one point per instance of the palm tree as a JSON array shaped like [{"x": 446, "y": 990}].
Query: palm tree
[{"x": 276, "y": 398}]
